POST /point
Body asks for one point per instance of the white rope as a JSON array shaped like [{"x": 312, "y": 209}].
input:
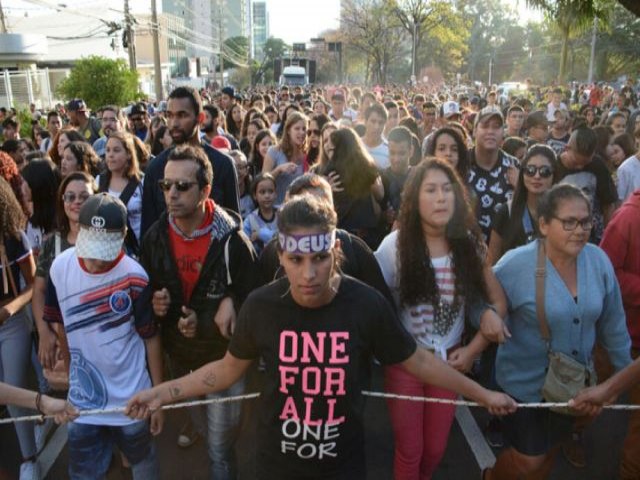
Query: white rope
[{"x": 250, "y": 396}]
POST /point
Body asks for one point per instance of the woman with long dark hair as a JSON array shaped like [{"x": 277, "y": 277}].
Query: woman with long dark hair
[
  {"x": 39, "y": 189},
  {"x": 356, "y": 183},
  {"x": 17, "y": 268},
  {"x": 316, "y": 123},
  {"x": 74, "y": 189},
  {"x": 515, "y": 223},
  {"x": 447, "y": 144},
  {"x": 79, "y": 157},
  {"x": 259, "y": 148},
  {"x": 434, "y": 265},
  {"x": 234, "y": 121},
  {"x": 64, "y": 137}
]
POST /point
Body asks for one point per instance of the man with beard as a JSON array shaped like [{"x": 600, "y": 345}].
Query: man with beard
[
  {"x": 202, "y": 268},
  {"x": 211, "y": 126},
  {"x": 112, "y": 121},
  {"x": 184, "y": 114}
]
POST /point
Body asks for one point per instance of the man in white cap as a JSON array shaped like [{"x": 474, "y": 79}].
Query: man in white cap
[{"x": 101, "y": 297}]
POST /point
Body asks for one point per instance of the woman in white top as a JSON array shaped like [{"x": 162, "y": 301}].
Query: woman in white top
[
  {"x": 124, "y": 180},
  {"x": 434, "y": 265}
]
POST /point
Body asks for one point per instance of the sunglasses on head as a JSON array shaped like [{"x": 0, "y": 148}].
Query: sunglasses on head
[
  {"x": 70, "y": 197},
  {"x": 181, "y": 186},
  {"x": 545, "y": 171}
]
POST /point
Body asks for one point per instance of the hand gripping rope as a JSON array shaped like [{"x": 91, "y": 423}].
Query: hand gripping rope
[{"x": 250, "y": 396}]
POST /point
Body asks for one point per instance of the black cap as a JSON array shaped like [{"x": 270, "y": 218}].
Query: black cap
[
  {"x": 103, "y": 212},
  {"x": 138, "y": 109},
  {"x": 77, "y": 105}
]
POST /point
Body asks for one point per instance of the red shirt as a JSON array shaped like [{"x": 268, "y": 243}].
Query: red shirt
[{"x": 190, "y": 252}]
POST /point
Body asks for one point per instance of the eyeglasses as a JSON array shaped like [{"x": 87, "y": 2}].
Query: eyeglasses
[
  {"x": 545, "y": 171},
  {"x": 181, "y": 186},
  {"x": 70, "y": 197},
  {"x": 570, "y": 224},
  {"x": 313, "y": 131}
]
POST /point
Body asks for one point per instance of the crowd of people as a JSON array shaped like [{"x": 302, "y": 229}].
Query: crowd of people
[{"x": 465, "y": 241}]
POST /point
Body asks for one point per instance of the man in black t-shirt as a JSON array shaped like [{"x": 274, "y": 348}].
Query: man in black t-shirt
[
  {"x": 491, "y": 169},
  {"x": 580, "y": 166}
]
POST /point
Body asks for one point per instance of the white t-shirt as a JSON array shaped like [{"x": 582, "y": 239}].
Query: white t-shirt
[
  {"x": 628, "y": 177},
  {"x": 418, "y": 319},
  {"x": 551, "y": 111},
  {"x": 108, "y": 358},
  {"x": 380, "y": 154}
]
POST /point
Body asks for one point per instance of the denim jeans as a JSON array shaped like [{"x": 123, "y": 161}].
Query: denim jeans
[
  {"x": 220, "y": 427},
  {"x": 91, "y": 448},
  {"x": 15, "y": 351}
]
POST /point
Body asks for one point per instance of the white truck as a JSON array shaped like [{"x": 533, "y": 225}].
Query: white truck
[{"x": 294, "y": 75}]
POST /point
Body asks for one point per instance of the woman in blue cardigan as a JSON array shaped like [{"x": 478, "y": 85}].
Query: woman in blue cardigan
[{"x": 582, "y": 302}]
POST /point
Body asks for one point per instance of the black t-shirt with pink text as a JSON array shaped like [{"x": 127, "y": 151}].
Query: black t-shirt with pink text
[{"x": 317, "y": 363}]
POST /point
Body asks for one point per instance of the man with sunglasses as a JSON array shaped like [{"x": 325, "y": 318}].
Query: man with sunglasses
[
  {"x": 201, "y": 268},
  {"x": 184, "y": 115}
]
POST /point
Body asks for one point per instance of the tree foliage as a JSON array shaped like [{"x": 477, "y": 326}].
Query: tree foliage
[
  {"x": 372, "y": 28},
  {"x": 273, "y": 48},
  {"x": 101, "y": 81}
]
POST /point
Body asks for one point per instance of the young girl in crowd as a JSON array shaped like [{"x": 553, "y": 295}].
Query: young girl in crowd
[
  {"x": 434, "y": 265},
  {"x": 260, "y": 225},
  {"x": 79, "y": 157},
  {"x": 259, "y": 148}
]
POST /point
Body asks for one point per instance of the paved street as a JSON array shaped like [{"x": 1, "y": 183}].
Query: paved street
[{"x": 603, "y": 440}]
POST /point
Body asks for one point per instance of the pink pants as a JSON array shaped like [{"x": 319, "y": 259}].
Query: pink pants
[{"x": 420, "y": 429}]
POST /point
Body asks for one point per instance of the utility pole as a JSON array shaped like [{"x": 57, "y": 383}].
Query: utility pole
[
  {"x": 157, "y": 67},
  {"x": 220, "y": 42},
  {"x": 592, "y": 59},
  {"x": 3, "y": 25},
  {"x": 490, "y": 71},
  {"x": 130, "y": 36}
]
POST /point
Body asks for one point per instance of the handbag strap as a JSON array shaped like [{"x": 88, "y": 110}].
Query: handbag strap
[{"x": 540, "y": 278}]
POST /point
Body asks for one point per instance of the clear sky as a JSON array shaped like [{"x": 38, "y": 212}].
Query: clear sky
[{"x": 291, "y": 20}]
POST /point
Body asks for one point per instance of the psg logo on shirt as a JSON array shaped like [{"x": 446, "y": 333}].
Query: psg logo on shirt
[{"x": 120, "y": 302}]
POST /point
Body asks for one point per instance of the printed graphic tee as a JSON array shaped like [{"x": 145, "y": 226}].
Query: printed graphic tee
[
  {"x": 317, "y": 364},
  {"x": 108, "y": 359}
]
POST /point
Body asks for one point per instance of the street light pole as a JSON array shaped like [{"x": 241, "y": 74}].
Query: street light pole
[
  {"x": 131, "y": 41},
  {"x": 157, "y": 67},
  {"x": 593, "y": 49}
]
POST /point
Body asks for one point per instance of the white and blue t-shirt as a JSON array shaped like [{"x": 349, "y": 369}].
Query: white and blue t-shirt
[{"x": 105, "y": 332}]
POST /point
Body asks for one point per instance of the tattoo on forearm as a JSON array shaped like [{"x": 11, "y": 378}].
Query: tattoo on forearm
[
  {"x": 175, "y": 393},
  {"x": 210, "y": 379}
]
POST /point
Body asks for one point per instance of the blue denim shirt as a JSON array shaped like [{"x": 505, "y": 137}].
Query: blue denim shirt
[{"x": 522, "y": 360}]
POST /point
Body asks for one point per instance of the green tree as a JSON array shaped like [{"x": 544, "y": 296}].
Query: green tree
[
  {"x": 572, "y": 17},
  {"x": 101, "y": 81},
  {"x": 273, "y": 48}
]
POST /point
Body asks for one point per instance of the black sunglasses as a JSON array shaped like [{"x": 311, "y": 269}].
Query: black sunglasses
[
  {"x": 545, "y": 171},
  {"x": 70, "y": 197},
  {"x": 313, "y": 131},
  {"x": 181, "y": 186}
]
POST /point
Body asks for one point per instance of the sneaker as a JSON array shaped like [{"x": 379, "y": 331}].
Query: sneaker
[
  {"x": 30, "y": 471},
  {"x": 188, "y": 435},
  {"x": 493, "y": 433},
  {"x": 41, "y": 431}
]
